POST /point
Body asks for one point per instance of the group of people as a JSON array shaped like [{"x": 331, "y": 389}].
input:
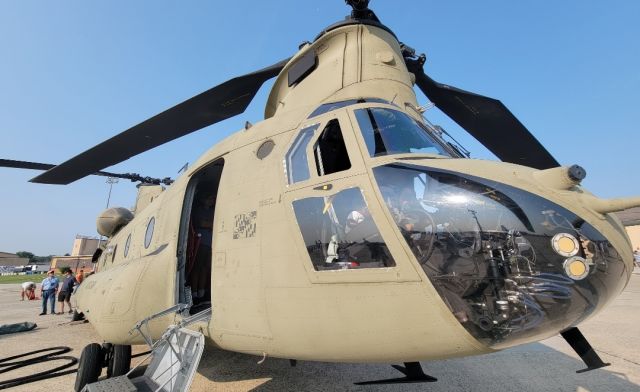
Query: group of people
[{"x": 52, "y": 286}]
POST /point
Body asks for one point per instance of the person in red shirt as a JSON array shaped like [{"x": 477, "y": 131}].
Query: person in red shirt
[{"x": 80, "y": 276}]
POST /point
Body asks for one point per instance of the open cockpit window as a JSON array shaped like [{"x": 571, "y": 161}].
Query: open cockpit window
[
  {"x": 330, "y": 151},
  {"x": 339, "y": 232},
  {"x": 387, "y": 131}
]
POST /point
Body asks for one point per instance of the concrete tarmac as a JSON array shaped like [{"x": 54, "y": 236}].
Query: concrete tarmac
[{"x": 549, "y": 365}]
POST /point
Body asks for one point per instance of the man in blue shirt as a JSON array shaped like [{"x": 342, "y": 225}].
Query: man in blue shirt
[
  {"x": 68, "y": 283},
  {"x": 48, "y": 292}
]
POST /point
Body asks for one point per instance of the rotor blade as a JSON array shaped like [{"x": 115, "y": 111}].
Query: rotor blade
[
  {"x": 46, "y": 166},
  {"x": 25, "y": 165},
  {"x": 219, "y": 103},
  {"x": 487, "y": 120}
]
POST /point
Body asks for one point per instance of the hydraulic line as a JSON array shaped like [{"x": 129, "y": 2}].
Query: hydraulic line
[{"x": 54, "y": 355}]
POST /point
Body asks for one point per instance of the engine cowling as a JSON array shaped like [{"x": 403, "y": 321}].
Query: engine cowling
[{"x": 111, "y": 220}]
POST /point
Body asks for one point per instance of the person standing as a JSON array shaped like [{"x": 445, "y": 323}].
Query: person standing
[
  {"x": 48, "y": 292},
  {"x": 68, "y": 282}
]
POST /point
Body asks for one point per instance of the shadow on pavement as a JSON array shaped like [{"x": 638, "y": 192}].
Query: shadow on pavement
[{"x": 534, "y": 367}]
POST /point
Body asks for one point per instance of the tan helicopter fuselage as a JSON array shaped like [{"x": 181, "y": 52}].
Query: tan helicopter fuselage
[{"x": 267, "y": 298}]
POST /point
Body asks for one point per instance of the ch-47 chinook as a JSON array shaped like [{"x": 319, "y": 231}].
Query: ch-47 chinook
[{"x": 345, "y": 227}]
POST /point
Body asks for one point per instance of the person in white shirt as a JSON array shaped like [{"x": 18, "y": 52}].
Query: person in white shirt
[{"x": 28, "y": 290}]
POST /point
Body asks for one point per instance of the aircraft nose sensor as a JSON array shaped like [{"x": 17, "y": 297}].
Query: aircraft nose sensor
[{"x": 577, "y": 173}]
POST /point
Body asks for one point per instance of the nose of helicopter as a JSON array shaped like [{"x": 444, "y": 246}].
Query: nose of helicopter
[{"x": 512, "y": 266}]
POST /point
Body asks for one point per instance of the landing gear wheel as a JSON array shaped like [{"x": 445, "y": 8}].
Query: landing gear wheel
[
  {"x": 89, "y": 366},
  {"x": 119, "y": 362}
]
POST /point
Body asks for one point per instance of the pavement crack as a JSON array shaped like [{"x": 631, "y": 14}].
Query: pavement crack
[{"x": 617, "y": 356}]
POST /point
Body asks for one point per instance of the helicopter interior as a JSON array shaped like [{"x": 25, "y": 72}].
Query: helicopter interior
[
  {"x": 338, "y": 230},
  {"x": 196, "y": 238}
]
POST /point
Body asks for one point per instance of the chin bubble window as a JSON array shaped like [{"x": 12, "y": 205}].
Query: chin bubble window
[
  {"x": 511, "y": 266},
  {"x": 339, "y": 232}
]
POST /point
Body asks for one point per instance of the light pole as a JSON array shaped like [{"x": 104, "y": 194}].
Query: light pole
[{"x": 111, "y": 181}]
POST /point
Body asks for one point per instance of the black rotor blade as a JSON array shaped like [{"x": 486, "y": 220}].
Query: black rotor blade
[
  {"x": 216, "y": 104},
  {"x": 487, "y": 120},
  {"x": 46, "y": 166},
  {"x": 25, "y": 165}
]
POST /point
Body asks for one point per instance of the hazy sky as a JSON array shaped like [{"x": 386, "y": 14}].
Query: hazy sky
[{"x": 74, "y": 73}]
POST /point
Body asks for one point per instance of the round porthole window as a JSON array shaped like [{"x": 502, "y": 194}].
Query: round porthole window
[
  {"x": 126, "y": 245},
  {"x": 265, "y": 149},
  {"x": 149, "y": 233}
]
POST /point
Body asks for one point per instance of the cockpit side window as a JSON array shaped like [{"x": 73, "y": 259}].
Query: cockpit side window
[
  {"x": 296, "y": 162},
  {"x": 330, "y": 151},
  {"x": 387, "y": 131},
  {"x": 340, "y": 233}
]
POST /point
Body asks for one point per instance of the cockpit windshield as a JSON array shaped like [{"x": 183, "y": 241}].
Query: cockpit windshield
[
  {"x": 387, "y": 131},
  {"x": 511, "y": 266}
]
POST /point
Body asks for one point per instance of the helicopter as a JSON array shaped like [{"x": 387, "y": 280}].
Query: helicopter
[{"x": 345, "y": 227}]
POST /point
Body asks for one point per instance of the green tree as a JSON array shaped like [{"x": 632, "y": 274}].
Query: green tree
[
  {"x": 41, "y": 259},
  {"x": 26, "y": 254},
  {"x": 63, "y": 270}
]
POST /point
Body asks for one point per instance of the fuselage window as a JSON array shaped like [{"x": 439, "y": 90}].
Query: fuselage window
[
  {"x": 330, "y": 151},
  {"x": 296, "y": 162},
  {"x": 328, "y": 107},
  {"x": 388, "y": 131},
  {"x": 149, "y": 233},
  {"x": 339, "y": 232},
  {"x": 126, "y": 245}
]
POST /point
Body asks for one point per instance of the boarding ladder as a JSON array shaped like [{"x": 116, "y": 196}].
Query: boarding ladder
[{"x": 174, "y": 358}]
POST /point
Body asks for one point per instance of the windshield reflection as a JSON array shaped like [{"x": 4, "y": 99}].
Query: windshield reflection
[
  {"x": 388, "y": 131},
  {"x": 511, "y": 266}
]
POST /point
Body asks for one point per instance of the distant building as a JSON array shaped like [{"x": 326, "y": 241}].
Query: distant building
[
  {"x": 84, "y": 245},
  {"x": 10, "y": 261},
  {"x": 631, "y": 219},
  {"x": 73, "y": 262},
  {"x": 83, "y": 249}
]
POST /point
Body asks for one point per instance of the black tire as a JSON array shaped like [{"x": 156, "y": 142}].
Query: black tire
[
  {"x": 89, "y": 366},
  {"x": 119, "y": 361}
]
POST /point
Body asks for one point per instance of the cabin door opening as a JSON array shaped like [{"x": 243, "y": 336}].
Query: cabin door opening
[{"x": 196, "y": 240}]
